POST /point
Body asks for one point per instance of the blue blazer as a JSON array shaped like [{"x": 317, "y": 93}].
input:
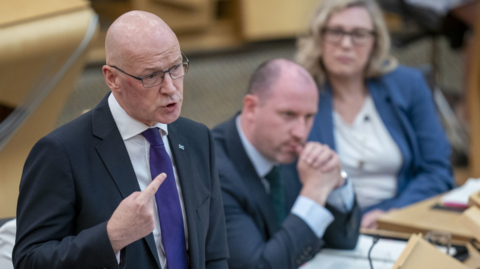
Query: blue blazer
[{"x": 405, "y": 104}]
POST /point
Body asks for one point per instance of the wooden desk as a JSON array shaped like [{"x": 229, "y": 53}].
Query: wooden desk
[{"x": 421, "y": 218}]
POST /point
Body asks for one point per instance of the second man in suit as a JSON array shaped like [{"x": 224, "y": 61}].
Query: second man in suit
[{"x": 284, "y": 198}]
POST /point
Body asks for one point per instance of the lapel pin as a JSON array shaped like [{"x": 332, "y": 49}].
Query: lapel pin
[{"x": 180, "y": 146}]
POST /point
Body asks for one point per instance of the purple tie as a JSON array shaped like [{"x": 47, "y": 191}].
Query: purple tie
[{"x": 168, "y": 202}]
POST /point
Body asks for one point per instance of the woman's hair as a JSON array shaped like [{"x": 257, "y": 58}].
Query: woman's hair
[{"x": 309, "y": 53}]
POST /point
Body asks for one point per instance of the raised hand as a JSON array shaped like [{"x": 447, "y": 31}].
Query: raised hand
[
  {"x": 319, "y": 170},
  {"x": 134, "y": 217}
]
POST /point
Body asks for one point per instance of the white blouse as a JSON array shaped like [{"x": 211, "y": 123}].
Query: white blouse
[{"x": 368, "y": 154}]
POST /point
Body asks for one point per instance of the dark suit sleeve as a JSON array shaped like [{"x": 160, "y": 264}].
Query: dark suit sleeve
[
  {"x": 291, "y": 246},
  {"x": 343, "y": 232},
  {"x": 216, "y": 243},
  {"x": 46, "y": 212}
]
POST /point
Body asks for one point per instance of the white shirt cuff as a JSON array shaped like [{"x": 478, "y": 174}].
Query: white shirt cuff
[
  {"x": 316, "y": 216},
  {"x": 343, "y": 197}
]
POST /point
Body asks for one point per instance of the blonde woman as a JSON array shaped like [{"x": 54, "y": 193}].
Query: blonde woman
[{"x": 379, "y": 116}]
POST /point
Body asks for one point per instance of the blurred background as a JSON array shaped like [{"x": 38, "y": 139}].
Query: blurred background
[{"x": 52, "y": 51}]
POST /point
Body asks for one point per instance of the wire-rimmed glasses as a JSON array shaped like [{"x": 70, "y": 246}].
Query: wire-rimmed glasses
[
  {"x": 359, "y": 36},
  {"x": 156, "y": 78}
]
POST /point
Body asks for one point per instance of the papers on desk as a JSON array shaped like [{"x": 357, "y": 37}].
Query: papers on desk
[
  {"x": 322, "y": 261},
  {"x": 459, "y": 196},
  {"x": 384, "y": 255},
  {"x": 384, "y": 250}
]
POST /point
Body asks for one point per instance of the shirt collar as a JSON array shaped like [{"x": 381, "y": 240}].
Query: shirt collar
[
  {"x": 261, "y": 164},
  {"x": 128, "y": 126}
]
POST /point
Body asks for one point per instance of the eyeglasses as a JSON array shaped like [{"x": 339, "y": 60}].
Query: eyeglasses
[
  {"x": 156, "y": 78},
  {"x": 359, "y": 36}
]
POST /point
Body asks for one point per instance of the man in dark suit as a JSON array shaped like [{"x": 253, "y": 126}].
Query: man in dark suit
[
  {"x": 87, "y": 199},
  {"x": 279, "y": 214}
]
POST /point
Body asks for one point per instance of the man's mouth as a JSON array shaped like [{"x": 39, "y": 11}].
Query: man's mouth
[{"x": 171, "y": 106}]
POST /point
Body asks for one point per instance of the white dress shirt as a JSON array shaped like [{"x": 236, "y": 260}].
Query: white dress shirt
[
  {"x": 368, "y": 154},
  {"x": 138, "y": 149},
  {"x": 7, "y": 241},
  {"x": 316, "y": 216}
]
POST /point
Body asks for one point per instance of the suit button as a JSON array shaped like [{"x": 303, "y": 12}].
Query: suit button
[
  {"x": 306, "y": 253},
  {"x": 309, "y": 248},
  {"x": 299, "y": 262}
]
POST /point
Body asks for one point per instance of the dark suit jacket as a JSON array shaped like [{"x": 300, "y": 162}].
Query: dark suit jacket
[
  {"x": 255, "y": 239},
  {"x": 76, "y": 176},
  {"x": 405, "y": 105}
]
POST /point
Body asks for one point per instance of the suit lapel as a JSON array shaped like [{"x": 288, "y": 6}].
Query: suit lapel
[
  {"x": 383, "y": 103},
  {"x": 114, "y": 154},
  {"x": 322, "y": 130},
  {"x": 183, "y": 162},
  {"x": 250, "y": 177}
]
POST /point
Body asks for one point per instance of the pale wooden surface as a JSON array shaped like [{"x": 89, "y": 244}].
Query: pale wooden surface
[
  {"x": 270, "y": 19},
  {"x": 420, "y": 218},
  {"x": 37, "y": 48},
  {"x": 420, "y": 254},
  {"x": 474, "y": 260},
  {"x": 474, "y": 199},
  {"x": 180, "y": 18},
  {"x": 19, "y": 11},
  {"x": 33, "y": 49},
  {"x": 470, "y": 219}
]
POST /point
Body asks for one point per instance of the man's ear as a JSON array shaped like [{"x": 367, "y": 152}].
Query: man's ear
[
  {"x": 110, "y": 78},
  {"x": 250, "y": 106}
]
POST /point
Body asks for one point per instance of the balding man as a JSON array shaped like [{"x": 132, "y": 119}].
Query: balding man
[
  {"x": 87, "y": 198},
  {"x": 278, "y": 218}
]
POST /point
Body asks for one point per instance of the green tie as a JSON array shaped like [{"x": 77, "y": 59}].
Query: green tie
[{"x": 277, "y": 195}]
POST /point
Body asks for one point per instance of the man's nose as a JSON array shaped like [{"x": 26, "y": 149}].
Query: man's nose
[
  {"x": 300, "y": 129},
  {"x": 167, "y": 87}
]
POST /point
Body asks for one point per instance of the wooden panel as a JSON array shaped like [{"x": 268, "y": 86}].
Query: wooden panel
[
  {"x": 462, "y": 174},
  {"x": 420, "y": 218},
  {"x": 33, "y": 50},
  {"x": 270, "y": 19},
  {"x": 474, "y": 104},
  {"x": 180, "y": 19},
  {"x": 184, "y": 3},
  {"x": 46, "y": 44},
  {"x": 20, "y": 10}
]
